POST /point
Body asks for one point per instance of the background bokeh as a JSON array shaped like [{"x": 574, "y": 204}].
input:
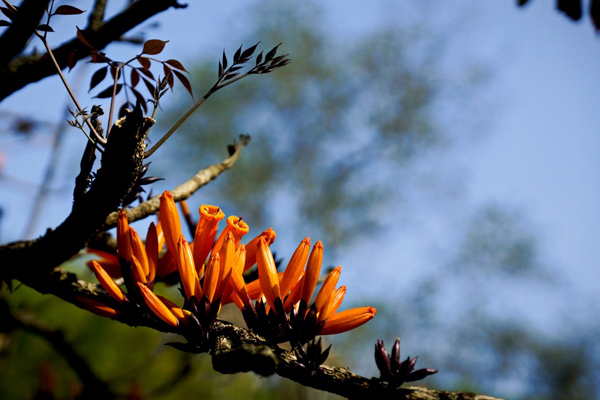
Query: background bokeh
[{"x": 445, "y": 154}]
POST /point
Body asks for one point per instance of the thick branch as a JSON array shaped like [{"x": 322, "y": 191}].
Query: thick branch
[
  {"x": 25, "y": 70},
  {"x": 183, "y": 191},
  {"x": 15, "y": 38}
]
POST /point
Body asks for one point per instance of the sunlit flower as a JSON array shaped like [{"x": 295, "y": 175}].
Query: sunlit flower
[
  {"x": 97, "y": 308},
  {"x": 107, "y": 283},
  {"x": 157, "y": 306}
]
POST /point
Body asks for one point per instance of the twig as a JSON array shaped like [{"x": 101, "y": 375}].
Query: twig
[{"x": 97, "y": 14}]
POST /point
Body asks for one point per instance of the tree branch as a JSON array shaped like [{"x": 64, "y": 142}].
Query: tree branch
[
  {"x": 25, "y": 70},
  {"x": 183, "y": 191}
]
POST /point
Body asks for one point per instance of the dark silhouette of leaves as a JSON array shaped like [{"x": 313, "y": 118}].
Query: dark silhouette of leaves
[
  {"x": 67, "y": 10},
  {"x": 45, "y": 28},
  {"x": 82, "y": 38},
  {"x": 176, "y": 64},
  {"x": 10, "y": 14},
  {"x": 98, "y": 77},
  {"x": 72, "y": 59},
  {"x": 570, "y": 7},
  {"x": 595, "y": 13},
  {"x": 148, "y": 73},
  {"x": 4, "y": 23},
  {"x": 106, "y": 93},
  {"x": 185, "y": 82},
  {"x": 154, "y": 46},
  {"x": 135, "y": 77},
  {"x": 144, "y": 62}
]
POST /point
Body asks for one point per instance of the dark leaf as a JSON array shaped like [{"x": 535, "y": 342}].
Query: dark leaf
[
  {"x": 149, "y": 180},
  {"x": 237, "y": 54},
  {"x": 166, "y": 69},
  {"x": 420, "y": 374},
  {"x": 236, "y": 68},
  {"x": 98, "y": 77},
  {"x": 522, "y": 2},
  {"x": 67, "y": 10},
  {"x": 224, "y": 60},
  {"x": 135, "y": 77},
  {"x": 220, "y": 70},
  {"x": 10, "y": 14},
  {"x": 148, "y": 74},
  {"x": 259, "y": 58},
  {"x": 113, "y": 72},
  {"x": 231, "y": 75},
  {"x": 106, "y": 93},
  {"x": 170, "y": 80},
  {"x": 184, "y": 81},
  {"x": 4, "y": 23},
  {"x": 97, "y": 57},
  {"x": 249, "y": 51},
  {"x": 154, "y": 46},
  {"x": 140, "y": 99},
  {"x": 570, "y": 7},
  {"x": 176, "y": 64},
  {"x": 150, "y": 86},
  {"x": 45, "y": 28},
  {"x": 163, "y": 93},
  {"x": 144, "y": 62},
  {"x": 72, "y": 59},
  {"x": 82, "y": 38},
  {"x": 271, "y": 53}
]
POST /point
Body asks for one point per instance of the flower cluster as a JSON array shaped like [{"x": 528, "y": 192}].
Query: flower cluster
[
  {"x": 393, "y": 370},
  {"x": 211, "y": 272}
]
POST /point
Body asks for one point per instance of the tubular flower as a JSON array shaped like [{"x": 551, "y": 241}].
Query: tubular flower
[
  {"x": 267, "y": 273},
  {"x": 269, "y": 237},
  {"x": 157, "y": 306},
  {"x": 237, "y": 227},
  {"x": 107, "y": 283},
  {"x": 294, "y": 269},
  {"x": 187, "y": 272},
  {"x": 348, "y": 320},
  {"x": 313, "y": 269},
  {"x": 109, "y": 262},
  {"x": 169, "y": 220},
  {"x": 97, "y": 308},
  {"x": 123, "y": 238},
  {"x": 206, "y": 231}
]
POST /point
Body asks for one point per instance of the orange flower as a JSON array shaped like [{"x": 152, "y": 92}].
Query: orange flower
[
  {"x": 107, "y": 283},
  {"x": 137, "y": 272},
  {"x": 295, "y": 267},
  {"x": 169, "y": 219},
  {"x": 138, "y": 250},
  {"x": 313, "y": 269},
  {"x": 97, "y": 308},
  {"x": 123, "y": 238},
  {"x": 211, "y": 278},
  {"x": 324, "y": 298},
  {"x": 267, "y": 273},
  {"x": 348, "y": 320},
  {"x": 109, "y": 262},
  {"x": 237, "y": 227},
  {"x": 206, "y": 231},
  {"x": 269, "y": 237},
  {"x": 157, "y": 306},
  {"x": 187, "y": 272},
  {"x": 152, "y": 251}
]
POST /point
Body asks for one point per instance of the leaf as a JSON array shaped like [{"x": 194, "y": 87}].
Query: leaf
[
  {"x": 185, "y": 82},
  {"x": 259, "y": 58},
  {"x": 150, "y": 87},
  {"x": 522, "y": 2},
  {"x": 237, "y": 54},
  {"x": 67, "y": 10},
  {"x": 220, "y": 70},
  {"x": 4, "y": 23},
  {"x": 113, "y": 72},
  {"x": 249, "y": 51},
  {"x": 170, "y": 80},
  {"x": 224, "y": 60},
  {"x": 10, "y": 14},
  {"x": 570, "y": 7},
  {"x": 595, "y": 13},
  {"x": 135, "y": 77},
  {"x": 154, "y": 46},
  {"x": 123, "y": 109},
  {"x": 144, "y": 62},
  {"x": 176, "y": 64},
  {"x": 98, "y": 77},
  {"x": 82, "y": 39},
  {"x": 271, "y": 53},
  {"x": 148, "y": 73},
  {"x": 166, "y": 70},
  {"x": 72, "y": 59},
  {"x": 97, "y": 57},
  {"x": 106, "y": 93},
  {"x": 44, "y": 28}
]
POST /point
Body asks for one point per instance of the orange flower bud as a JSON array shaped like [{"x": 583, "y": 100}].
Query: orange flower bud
[
  {"x": 152, "y": 252},
  {"x": 97, "y": 308},
  {"x": 123, "y": 238},
  {"x": 137, "y": 273},
  {"x": 269, "y": 237},
  {"x": 185, "y": 264},
  {"x": 138, "y": 250},
  {"x": 348, "y": 320},
  {"x": 211, "y": 278},
  {"x": 295, "y": 267},
  {"x": 157, "y": 306},
  {"x": 169, "y": 219},
  {"x": 327, "y": 289},
  {"x": 313, "y": 269},
  {"x": 227, "y": 255},
  {"x": 267, "y": 272},
  {"x": 337, "y": 298},
  {"x": 107, "y": 283}
]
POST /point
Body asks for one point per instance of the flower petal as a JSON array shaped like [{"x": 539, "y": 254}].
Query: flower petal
[
  {"x": 313, "y": 269},
  {"x": 267, "y": 273},
  {"x": 237, "y": 227},
  {"x": 98, "y": 308},
  {"x": 206, "y": 231},
  {"x": 211, "y": 278},
  {"x": 348, "y": 320},
  {"x": 123, "y": 238},
  {"x": 157, "y": 306},
  {"x": 185, "y": 264},
  {"x": 107, "y": 283},
  {"x": 327, "y": 290},
  {"x": 169, "y": 219},
  {"x": 269, "y": 237},
  {"x": 294, "y": 269}
]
